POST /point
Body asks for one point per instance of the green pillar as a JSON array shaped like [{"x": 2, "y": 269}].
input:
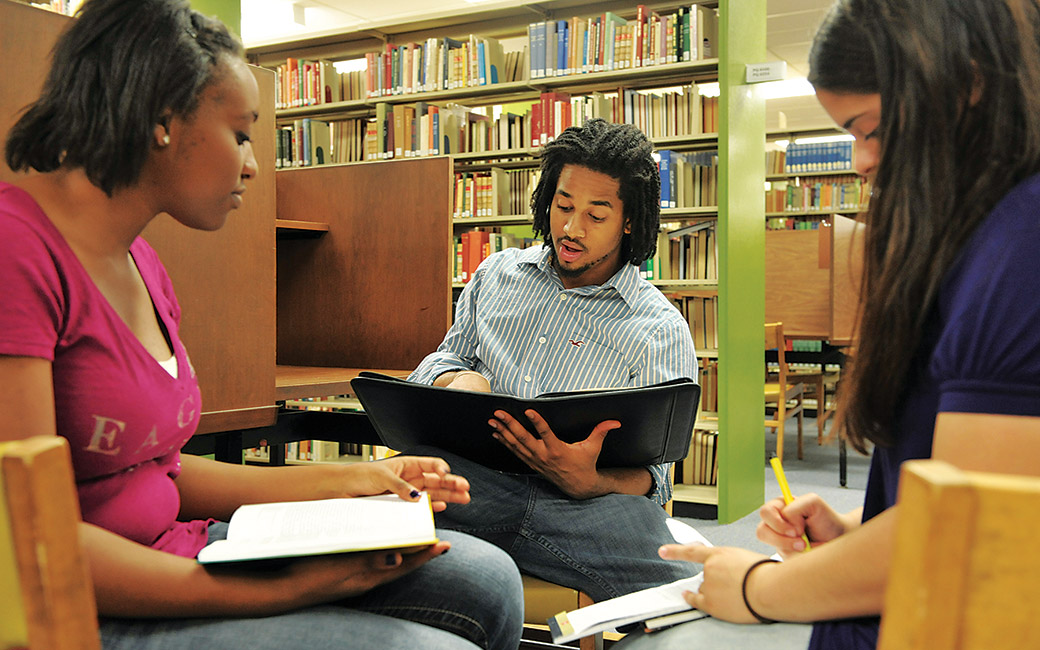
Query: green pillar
[
  {"x": 742, "y": 32},
  {"x": 229, "y": 11}
]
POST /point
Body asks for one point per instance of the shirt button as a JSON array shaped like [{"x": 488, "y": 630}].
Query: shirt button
[
  {"x": 527, "y": 378},
  {"x": 563, "y": 296},
  {"x": 541, "y": 339}
]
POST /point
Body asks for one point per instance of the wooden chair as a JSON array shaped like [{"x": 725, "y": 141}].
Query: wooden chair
[
  {"x": 44, "y": 584},
  {"x": 965, "y": 568},
  {"x": 543, "y": 599},
  {"x": 819, "y": 385},
  {"x": 782, "y": 388}
]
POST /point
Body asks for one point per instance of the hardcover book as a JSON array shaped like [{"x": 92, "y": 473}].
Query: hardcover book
[{"x": 266, "y": 531}]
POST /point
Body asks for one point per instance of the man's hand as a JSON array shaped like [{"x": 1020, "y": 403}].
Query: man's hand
[{"x": 571, "y": 467}]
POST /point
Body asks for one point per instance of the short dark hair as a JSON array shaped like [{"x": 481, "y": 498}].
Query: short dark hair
[
  {"x": 116, "y": 70},
  {"x": 959, "y": 85},
  {"x": 620, "y": 151}
]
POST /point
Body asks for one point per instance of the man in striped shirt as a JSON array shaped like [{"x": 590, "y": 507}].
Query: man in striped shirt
[{"x": 573, "y": 314}]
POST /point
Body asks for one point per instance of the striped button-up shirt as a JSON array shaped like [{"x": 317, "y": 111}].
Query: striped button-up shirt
[{"x": 517, "y": 325}]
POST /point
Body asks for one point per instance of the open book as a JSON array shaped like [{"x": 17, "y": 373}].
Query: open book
[
  {"x": 656, "y": 421},
  {"x": 292, "y": 529},
  {"x": 655, "y": 607}
]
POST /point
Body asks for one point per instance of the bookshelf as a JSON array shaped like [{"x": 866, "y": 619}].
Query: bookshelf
[{"x": 739, "y": 215}]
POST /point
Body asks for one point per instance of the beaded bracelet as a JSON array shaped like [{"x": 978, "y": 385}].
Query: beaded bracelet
[{"x": 743, "y": 591}]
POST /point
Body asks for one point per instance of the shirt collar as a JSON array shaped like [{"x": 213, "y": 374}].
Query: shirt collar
[{"x": 625, "y": 282}]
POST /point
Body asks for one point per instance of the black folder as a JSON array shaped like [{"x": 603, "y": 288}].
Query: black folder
[{"x": 656, "y": 421}]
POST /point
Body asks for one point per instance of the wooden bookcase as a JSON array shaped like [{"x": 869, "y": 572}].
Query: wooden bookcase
[{"x": 740, "y": 214}]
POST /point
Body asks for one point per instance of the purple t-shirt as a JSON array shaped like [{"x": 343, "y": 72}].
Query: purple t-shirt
[
  {"x": 125, "y": 417},
  {"x": 984, "y": 357}
]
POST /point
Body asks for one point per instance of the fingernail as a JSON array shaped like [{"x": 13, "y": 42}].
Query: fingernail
[
  {"x": 414, "y": 494},
  {"x": 445, "y": 551},
  {"x": 799, "y": 545},
  {"x": 391, "y": 559}
]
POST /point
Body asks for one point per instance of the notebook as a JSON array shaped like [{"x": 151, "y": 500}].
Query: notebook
[{"x": 656, "y": 421}]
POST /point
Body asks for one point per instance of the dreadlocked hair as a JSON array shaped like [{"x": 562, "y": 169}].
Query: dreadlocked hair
[{"x": 620, "y": 151}]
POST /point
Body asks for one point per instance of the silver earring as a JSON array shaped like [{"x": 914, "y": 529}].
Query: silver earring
[{"x": 165, "y": 140}]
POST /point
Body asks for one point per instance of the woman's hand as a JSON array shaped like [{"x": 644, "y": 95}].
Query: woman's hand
[
  {"x": 406, "y": 476},
  {"x": 782, "y": 525},
  {"x": 332, "y": 577},
  {"x": 720, "y": 594}
]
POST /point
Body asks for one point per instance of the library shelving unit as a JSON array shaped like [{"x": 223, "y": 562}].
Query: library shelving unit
[{"x": 740, "y": 214}]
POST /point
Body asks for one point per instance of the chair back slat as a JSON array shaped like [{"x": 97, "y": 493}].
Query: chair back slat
[{"x": 40, "y": 511}]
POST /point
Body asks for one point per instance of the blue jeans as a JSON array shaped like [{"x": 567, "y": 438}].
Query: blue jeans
[
  {"x": 468, "y": 598},
  {"x": 605, "y": 546}
]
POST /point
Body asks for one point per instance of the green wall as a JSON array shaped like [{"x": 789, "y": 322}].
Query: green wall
[{"x": 229, "y": 11}]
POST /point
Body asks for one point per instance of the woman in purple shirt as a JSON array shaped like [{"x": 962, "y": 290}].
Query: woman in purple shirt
[
  {"x": 943, "y": 98},
  {"x": 148, "y": 108}
]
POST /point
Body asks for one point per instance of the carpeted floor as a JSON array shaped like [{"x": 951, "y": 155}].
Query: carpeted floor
[{"x": 817, "y": 472}]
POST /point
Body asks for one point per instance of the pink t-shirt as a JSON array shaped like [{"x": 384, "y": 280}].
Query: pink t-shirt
[{"x": 125, "y": 417}]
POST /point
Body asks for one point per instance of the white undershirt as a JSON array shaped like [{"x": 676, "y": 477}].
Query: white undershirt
[{"x": 170, "y": 366}]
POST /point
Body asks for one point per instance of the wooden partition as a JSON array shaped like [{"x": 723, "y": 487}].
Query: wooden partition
[
  {"x": 846, "y": 276},
  {"x": 26, "y": 37},
  {"x": 226, "y": 287},
  {"x": 224, "y": 280},
  {"x": 798, "y": 281},
  {"x": 812, "y": 279},
  {"x": 374, "y": 291}
]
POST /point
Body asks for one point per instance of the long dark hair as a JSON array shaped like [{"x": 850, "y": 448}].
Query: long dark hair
[
  {"x": 960, "y": 126},
  {"x": 620, "y": 151},
  {"x": 117, "y": 68}
]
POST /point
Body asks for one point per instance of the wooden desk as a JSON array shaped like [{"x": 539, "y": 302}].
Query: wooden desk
[{"x": 296, "y": 382}]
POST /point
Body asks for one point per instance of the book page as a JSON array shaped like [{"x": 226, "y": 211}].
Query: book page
[
  {"x": 631, "y": 608},
  {"x": 330, "y": 525}
]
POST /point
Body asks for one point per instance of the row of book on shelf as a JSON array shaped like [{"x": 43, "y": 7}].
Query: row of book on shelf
[
  {"x": 820, "y": 193},
  {"x": 685, "y": 253},
  {"x": 702, "y": 314},
  {"x": 474, "y": 246},
  {"x": 421, "y": 128},
  {"x": 701, "y": 465},
  {"x": 609, "y": 42},
  {"x": 799, "y": 158},
  {"x": 689, "y": 180},
  {"x": 494, "y": 192},
  {"x": 553, "y": 48},
  {"x": 796, "y": 223},
  {"x": 322, "y": 451}
]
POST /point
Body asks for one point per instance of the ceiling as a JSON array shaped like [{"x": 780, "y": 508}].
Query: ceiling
[{"x": 789, "y": 28}]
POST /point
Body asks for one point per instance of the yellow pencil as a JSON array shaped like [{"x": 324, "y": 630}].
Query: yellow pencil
[{"x": 785, "y": 489}]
